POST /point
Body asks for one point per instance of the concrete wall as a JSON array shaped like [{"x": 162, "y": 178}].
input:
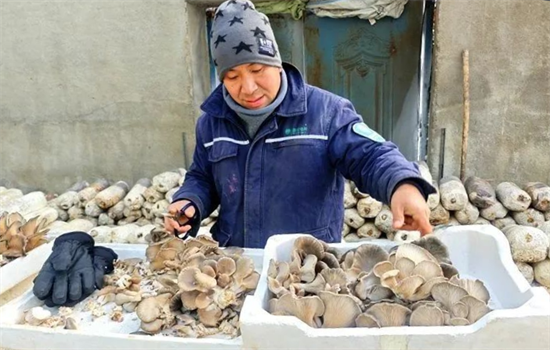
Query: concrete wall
[
  {"x": 94, "y": 88},
  {"x": 509, "y": 45}
]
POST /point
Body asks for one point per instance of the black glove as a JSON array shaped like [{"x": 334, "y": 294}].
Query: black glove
[
  {"x": 104, "y": 259},
  {"x": 68, "y": 273},
  {"x": 194, "y": 222}
]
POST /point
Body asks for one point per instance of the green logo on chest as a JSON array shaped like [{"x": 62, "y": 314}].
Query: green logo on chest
[{"x": 301, "y": 130}]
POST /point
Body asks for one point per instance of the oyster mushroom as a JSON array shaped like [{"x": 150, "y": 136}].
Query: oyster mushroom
[
  {"x": 389, "y": 315},
  {"x": 476, "y": 308},
  {"x": 366, "y": 320},
  {"x": 306, "y": 245},
  {"x": 367, "y": 256},
  {"x": 459, "y": 309},
  {"x": 314, "y": 287},
  {"x": 449, "y": 270},
  {"x": 414, "y": 252},
  {"x": 427, "y": 315},
  {"x": 154, "y": 313},
  {"x": 448, "y": 294},
  {"x": 336, "y": 277},
  {"x": 458, "y": 321},
  {"x": 434, "y": 245},
  {"x": 307, "y": 309},
  {"x": 307, "y": 271},
  {"x": 475, "y": 288},
  {"x": 341, "y": 310},
  {"x": 191, "y": 278}
]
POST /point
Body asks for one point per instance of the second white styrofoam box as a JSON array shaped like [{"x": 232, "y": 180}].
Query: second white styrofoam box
[
  {"x": 20, "y": 269},
  {"x": 101, "y": 333},
  {"x": 520, "y": 316}
]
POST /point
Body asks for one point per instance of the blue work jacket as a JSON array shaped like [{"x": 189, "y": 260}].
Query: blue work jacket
[{"x": 289, "y": 178}]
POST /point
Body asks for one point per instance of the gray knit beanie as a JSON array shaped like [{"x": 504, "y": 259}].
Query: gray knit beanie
[{"x": 240, "y": 34}]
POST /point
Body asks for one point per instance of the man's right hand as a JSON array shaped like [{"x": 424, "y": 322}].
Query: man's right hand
[{"x": 183, "y": 226}]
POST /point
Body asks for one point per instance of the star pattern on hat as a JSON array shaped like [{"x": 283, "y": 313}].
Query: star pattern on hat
[
  {"x": 258, "y": 32},
  {"x": 219, "y": 13},
  {"x": 236, "y": 20},
  {"x": 266, "y": 21},
  {"x": 246, "y": 6},
  {"x": 220, "y": 39},
  {"x": 234, "y": 2},
  {"x": 242, "y": 46}
]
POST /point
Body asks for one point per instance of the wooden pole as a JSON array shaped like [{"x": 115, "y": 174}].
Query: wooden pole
[{"x": 466, "y": 111}]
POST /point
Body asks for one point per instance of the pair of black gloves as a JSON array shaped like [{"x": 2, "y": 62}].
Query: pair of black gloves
[{"x": 74, "y": 269}]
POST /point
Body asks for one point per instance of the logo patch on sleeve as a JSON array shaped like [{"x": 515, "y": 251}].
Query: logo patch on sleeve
[
  {"x": 266, "y": 47},
  {"x": 362, "y": 129}
]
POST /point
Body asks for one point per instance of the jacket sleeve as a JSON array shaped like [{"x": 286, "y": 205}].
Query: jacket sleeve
[
  {"x": 198, "y": 186},
  {"x": 376, "y": 166}
]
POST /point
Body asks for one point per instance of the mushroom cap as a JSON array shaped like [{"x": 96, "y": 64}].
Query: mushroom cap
[
  {"x": 428, "y": 270},
  {"x": 250, "y": 282},
  {"x": 306, "y": 245},
  {"x": 459, "y": 309},
  {"x": 331, "y": 260},
  {"x": 425, "y": 289},
  {"x": 210, "y": 316},
  {"x": 458, "y": 321},
  {"x": 414, "y": 253},
  {"x": 448, "y": 293},
  {"x": 335, "y": 276},
  {"x": 406, "y": 288},
  {"x": 149, "y": 309},
  {"x": 405, "y": 265},
  {"x": 307, "y": 309},
  {"x": 341, "y": 310},
  {"x": 364, "y": 283},
  {"x": 226, "y": 266},
  {"x": 377, "y": 292},
  {"x": 366, "y": 320},
  {"x": 314, "y": 287},
  {"x": 449, "y": 270},
  {"x": 244, "y": 267},
  {"x": 389, "y": 314},
  {"x": 307, "y": 271},
  {"x": 475, "y": 288},
  {"x": 435, "y": 246},
  {"x": 427, "y": 315},
  {"x": 188, "y": 299},
  {"x": 191, "y": 278},
  {"x": 382, "y": 267},
  {"x": 476, "y": 308},
  {"x": 152, "y": 327},
  {"x": 347, "y": 259},
  {"x": 368, "y": 255}
]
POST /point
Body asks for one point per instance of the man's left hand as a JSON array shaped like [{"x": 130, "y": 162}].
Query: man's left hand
[{"x": 410, "y": 210}]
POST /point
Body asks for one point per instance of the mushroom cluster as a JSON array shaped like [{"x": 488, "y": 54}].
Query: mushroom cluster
[
  {"x": 38, "y": 316},
  {"x": 412, "y": 284},
  {"x": 19, "y": 236},
  {"x": 202, "y": 286}
]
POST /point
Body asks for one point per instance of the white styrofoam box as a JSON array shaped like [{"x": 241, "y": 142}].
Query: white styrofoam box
[
  {"x": 101, "y": 333},
  {"x": 22, "y": 268},
  {"x": 520, "y": 316}
]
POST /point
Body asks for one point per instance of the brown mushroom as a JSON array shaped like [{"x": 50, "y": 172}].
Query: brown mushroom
[
  {"x": 306, "y": 245},
  {"x": 307, "y": 271},
  {"x": 413, "y": 252},
  {"x": 191, "y": 278},
  {"x": 389, "y": 315},
  {"x": 475, "y": 288},
  {"x": 307, "y": 309},
  {"x": 476, "y": 308},
  {"x": 427, "y": 315},
  {"x": 448, "y": 293},
  {"x": 366, "y": 320},
  {"x": 368, "y": 255}
]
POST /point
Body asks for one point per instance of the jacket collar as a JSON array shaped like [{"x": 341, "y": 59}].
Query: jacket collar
[{"x": 295, "y": 102}]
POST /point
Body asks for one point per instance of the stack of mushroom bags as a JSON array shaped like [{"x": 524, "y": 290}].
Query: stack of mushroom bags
[
  {"x": 521, "y": 213},
  {"x": 116, "y": 212},
  {"x": 188, "y": 288},
  {"x": 413, "y": 284}
]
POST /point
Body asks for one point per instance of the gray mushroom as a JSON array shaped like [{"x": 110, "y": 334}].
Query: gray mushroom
[
  {"x": 448, "y": 294},
  {"x": 307, "y": 309},
  {"x": 341, "y": 310}
]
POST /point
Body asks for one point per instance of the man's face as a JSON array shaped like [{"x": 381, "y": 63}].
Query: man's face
[{"x": 253, "y": 85}]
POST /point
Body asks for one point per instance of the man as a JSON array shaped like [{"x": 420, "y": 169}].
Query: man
[{"x": 273, "y": 151}]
